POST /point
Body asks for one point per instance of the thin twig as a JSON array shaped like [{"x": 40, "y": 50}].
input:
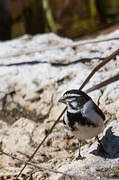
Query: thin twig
[
  {"x": 90, "y": 42},
  {"x": 74, "y": 44},
  {"x": 113, "y": 55},
  {"x": 107, "y": 59},
  {"x": 43, "y": 140},
  {"x": 34, "y": 165},
  {"x": 104, "y": 83}
]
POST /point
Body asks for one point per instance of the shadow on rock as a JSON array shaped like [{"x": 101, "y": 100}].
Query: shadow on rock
[{"x": 110, "y": 143}]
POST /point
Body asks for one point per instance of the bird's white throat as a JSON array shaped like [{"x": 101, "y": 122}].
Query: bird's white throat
[{"x": 74, "y": 107}]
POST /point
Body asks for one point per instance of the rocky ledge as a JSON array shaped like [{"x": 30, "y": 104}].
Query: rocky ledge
[{"x": 34, "y": 72}]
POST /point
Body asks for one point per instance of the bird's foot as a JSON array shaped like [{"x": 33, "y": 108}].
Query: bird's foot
[{"x": 79, "y": 157}]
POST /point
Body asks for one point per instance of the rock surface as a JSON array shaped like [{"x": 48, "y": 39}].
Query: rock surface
[
  {"x": 35, "y": 71},
  {"x": 95, "y": 165}
]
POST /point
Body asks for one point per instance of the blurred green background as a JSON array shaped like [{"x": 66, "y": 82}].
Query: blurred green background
[{"x": 68, "y": 18}]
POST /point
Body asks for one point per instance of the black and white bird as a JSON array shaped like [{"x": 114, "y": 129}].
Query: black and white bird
[{"x": 83, "y": 117}]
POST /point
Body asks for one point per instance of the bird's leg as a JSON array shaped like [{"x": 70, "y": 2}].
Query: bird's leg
[
  {"x": 79, "y": 143},
  {"x": 79, "y": 155},
  {"x": 101, "y": 147}
]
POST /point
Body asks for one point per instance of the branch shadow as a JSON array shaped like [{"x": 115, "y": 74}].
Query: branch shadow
[{"x": 110, "y": 143}]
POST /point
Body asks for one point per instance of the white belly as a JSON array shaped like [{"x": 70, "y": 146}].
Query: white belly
[{"x": 87, "y": 132}]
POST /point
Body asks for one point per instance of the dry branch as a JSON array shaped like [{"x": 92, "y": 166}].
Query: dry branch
[
  {"x": 91, "y": 42},
  {"x": 104, "y": 83},
  {"x": 35, "y": 165},
  {"x": 106, "y": 60},
  {"x": 49, "y": 132},
  {"x": 74, "y": 44}
]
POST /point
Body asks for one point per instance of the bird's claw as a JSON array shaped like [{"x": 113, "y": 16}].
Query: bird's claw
[{"x": 79, "y": 157}]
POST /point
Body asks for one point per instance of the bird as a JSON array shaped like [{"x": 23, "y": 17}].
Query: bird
[{"x": 82, "y": 116}]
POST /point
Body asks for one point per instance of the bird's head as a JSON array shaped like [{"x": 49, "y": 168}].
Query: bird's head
[{"x": 74, "y": 98}]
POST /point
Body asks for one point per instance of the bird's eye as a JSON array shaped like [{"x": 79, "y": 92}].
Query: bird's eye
[{"x": 81, "y": 100}]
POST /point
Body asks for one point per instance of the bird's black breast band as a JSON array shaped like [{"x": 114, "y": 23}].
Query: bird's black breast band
[{"x": 79, "y": 118}]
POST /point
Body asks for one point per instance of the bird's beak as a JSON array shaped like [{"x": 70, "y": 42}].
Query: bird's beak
[{"x": 62, "y": 100}]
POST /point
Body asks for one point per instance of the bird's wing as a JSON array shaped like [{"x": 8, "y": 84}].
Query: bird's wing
[{"x": 98, "y": 110}]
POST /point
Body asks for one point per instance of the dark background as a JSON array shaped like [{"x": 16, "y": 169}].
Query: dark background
[{"x": 69, "y": 18}]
